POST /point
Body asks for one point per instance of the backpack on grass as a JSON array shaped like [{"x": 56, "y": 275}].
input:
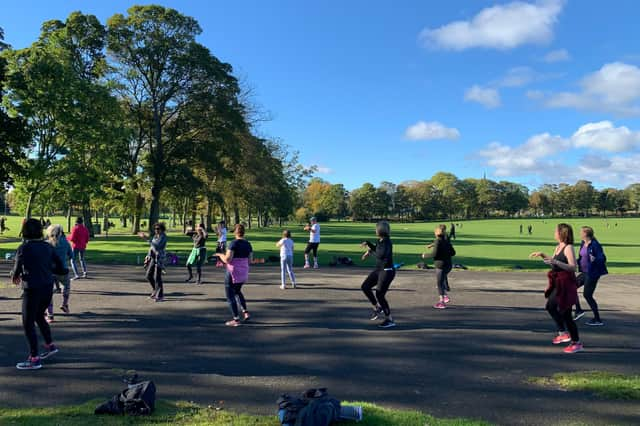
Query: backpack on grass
[{"x": 136, "y": 400}]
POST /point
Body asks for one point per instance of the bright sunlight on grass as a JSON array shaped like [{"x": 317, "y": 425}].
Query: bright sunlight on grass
[
  {"x": 184, "y": 413},
  {"x": 601, "y": 383}
]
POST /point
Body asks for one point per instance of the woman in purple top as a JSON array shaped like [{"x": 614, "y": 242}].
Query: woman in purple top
[
  {"x": 237, "y": 260},
  {"x": 592, "y": 264}
]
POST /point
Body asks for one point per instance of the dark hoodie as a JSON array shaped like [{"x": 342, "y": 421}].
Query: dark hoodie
[{"x": 36, "y": 263}]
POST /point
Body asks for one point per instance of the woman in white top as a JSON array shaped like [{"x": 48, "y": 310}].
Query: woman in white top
[
  {"x": 221, "y": 230},
  {"x": 286, "y": 259},
  {"x": 314, "y": 242}
]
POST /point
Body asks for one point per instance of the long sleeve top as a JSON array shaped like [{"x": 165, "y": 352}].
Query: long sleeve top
[
  {"x": 598, "y": 267},
  {"x": 36, "y": 262},
  {"x": 199, "y": 241},
  {"x": 158, "y": 246},
  {"x": 383, "y": 251},
  {"x": 441, "y": 253}
]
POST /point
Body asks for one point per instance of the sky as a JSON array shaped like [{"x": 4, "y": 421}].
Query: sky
[{"x": 368, "y": 90}]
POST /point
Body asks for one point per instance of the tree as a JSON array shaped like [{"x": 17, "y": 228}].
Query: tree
[
  {"x": 158, "y": 60},
  {"x": 364, "y": 202},
  {"x": 447, "y": 186},
  {"x": 515, "y": 197},
  {"x": 584, "y": 196},
  {"x": 539, "y": 202},
  {"x": 633, "y": 195},
  {"x": 14, "y": 136}
]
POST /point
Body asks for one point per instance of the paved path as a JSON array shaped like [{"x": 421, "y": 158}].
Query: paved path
[{"x": 471, "y": 360}]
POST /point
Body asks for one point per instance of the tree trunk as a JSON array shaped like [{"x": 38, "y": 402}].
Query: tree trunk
[
  {"x": 137, "y": 214},
  {"x": 209, "y": 218},
  {"x": 69, "y": 214},
  {"x": 86, "y": 214},
  {"x": 28, "y": 210}
]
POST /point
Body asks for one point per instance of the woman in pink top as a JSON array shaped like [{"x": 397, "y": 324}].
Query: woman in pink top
[
  {"x": 79, "y": 239},
  {"x": 237, "y": 260}
]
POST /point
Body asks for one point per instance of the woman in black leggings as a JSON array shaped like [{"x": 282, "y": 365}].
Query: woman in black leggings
[
  {"x": 35, "y": 266},
  {"x": 562, "y": 291},
  {"x": 381, "y": 277},
  {"x": 592, "y": 264}
]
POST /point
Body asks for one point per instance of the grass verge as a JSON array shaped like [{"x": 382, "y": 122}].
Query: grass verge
[
  {"x": 601, "y": 383},
  {"x": 185, "y": 413}
]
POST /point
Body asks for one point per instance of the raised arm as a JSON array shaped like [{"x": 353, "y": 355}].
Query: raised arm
[{"x": 434, "y": 250}]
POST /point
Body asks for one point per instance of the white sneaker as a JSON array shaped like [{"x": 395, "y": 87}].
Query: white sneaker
[
  {"x": 315, "y": 266},
  {"x": 282, "y": 287}
]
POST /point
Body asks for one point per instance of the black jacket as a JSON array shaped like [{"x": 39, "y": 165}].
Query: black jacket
[
  {"x": 441, "y": 253},
  {"x": 383, "y": 251},
  {"x": 36, "y": 262}
]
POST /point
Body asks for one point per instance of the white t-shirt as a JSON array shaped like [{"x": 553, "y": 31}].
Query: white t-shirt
[
  {"x": 314, "y": 234},
  {"x": 286, "y": 249},
  {"x": 223, "y": 236}
]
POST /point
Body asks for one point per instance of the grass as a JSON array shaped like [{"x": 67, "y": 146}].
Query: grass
[
  {"x": 601, "y": 383},
  {"x": 185, "y": 413},
  {"x": 494, "y": 245}
]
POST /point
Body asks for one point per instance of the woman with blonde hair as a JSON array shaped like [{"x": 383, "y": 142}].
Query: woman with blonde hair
[
  {"x": 57, "y": 239},
  {"x": 237, "y": 260},
  {"x": 442, "y": 252}
]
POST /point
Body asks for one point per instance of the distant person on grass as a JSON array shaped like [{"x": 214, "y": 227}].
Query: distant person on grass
[
  {"x": 237, "y": 260},
  {"x": 286, "y": 259},
  {"x": 62, "y": 248},
  {"x": 314, "y": 242},
  {"x": 442, "y": 252},
  {"x": 521, "y": 230},
  {"x": 530, "y": 229},
  {"x": 592, "y": 264},
  {"x": 452, "y": 232},
  {"x": 3, "y": 225},
  {"x": 155, "y": 260},
  {"x": 79, "y": 239},
  {"x": 198, "y": 254},
  {"x": 562, "y": 290},
  {"x": 35, "y": 265},
  {"x": 381, "y": 277}
]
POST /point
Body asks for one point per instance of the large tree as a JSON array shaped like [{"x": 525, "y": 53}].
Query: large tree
[{"x": 158, "y": 61}]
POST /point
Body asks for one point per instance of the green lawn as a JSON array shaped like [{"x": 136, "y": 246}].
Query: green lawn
[
  {"x": 481, "y": 245},
  {"x": 183, "y": 413},
  {"x": 602, "y": 383}
]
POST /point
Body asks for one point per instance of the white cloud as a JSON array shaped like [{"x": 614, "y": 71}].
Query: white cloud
[
  {"x": 604, "y": 136},
  {"x": 518, "y": 77},
  {"x": 432, "y": 130},
  {"x": 559, "y": 55},
  {"x": 535, "y": 95},
  {"x": 613, "y": 88},
  {"x": 544, "y": 156},
  {"x": 487, "y": 96},
  {"x": 324, "y": 170},
  {"x": 528, "y": 158},
  {"x": 502, "y": 27}
]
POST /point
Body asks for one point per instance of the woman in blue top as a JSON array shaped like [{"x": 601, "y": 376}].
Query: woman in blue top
[
  {"x": 155, "y": 259},
  {"x": 592, "y": 264},
  {"x": 57, "y": 239}
]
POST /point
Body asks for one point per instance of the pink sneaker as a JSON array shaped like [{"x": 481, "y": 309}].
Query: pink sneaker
[
  {"x": 561, "y": 338},
  {"x": 233, "y": 323},
  {"x": 573, "y": 348},
  {"x": 307, "y": 266},
  {"x": 446, "y": 300},
  {"x": 440, "y": 305}
]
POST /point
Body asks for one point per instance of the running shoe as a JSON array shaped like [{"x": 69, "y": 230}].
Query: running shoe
[
  {"x": 189, "y": 280},
  {"x": 595, "y": 323},
  {"x": 84, "y": 275},
  {"x": 233, "y": 323},
  {"x": 377, "y": 313},
  {"x": 440, "y": 305},
  {"x": 246, "y": 316},
  {"x": 282, "y": 287},
  {"x": 387, "y": 323},
  {"x": 32, "y": 363},
  {"x": 561, "y": 338},
  {"x": 315, "y": 266},
  {"x": 306, "y": 266},
  {"x": 75, "y": 277},
  {"x": 573, "y": 348},
  {"x": 65, "y": 308},
  {"x": 49, "y": 319},
  {"x": 446, "y": 300},
  {"x": 49, "y": 350},
  {"x": 159, "y": 299},
  {"x": 578, "y": 315}
]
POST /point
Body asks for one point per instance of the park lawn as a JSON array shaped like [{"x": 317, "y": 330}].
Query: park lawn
[
  {"x": 493, "y": 245},
  {"x": 184, "y": 413},
  {"x": 601, "y": 383}
]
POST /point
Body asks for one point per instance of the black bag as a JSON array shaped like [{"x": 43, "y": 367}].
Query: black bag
[
  {"x": 137, "y": 400},
  {"x": 315, "y": 408}
]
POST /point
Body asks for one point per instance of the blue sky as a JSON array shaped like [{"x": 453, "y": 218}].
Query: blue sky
[{"x": 532, "y": 91}]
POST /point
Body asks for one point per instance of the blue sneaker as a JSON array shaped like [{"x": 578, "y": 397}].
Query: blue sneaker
[
  {"x": 32, "y": 363},
  {"x": 49, "y": 350}
]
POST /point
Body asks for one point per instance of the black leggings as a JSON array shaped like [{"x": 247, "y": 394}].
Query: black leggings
[
  {"x": 154, "y": 276},
  {"x": 35, "y": 301},
  {"x": 199, "y": 262},
  {"x": 234, "y": 295},
  {"x": 564, "y": 320},
  {"x": 312, "y": 247},
  {"x": 442, "y": 280},
  {"x": 381, "y": 280},
  {"x": 589, "y": 288}
]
